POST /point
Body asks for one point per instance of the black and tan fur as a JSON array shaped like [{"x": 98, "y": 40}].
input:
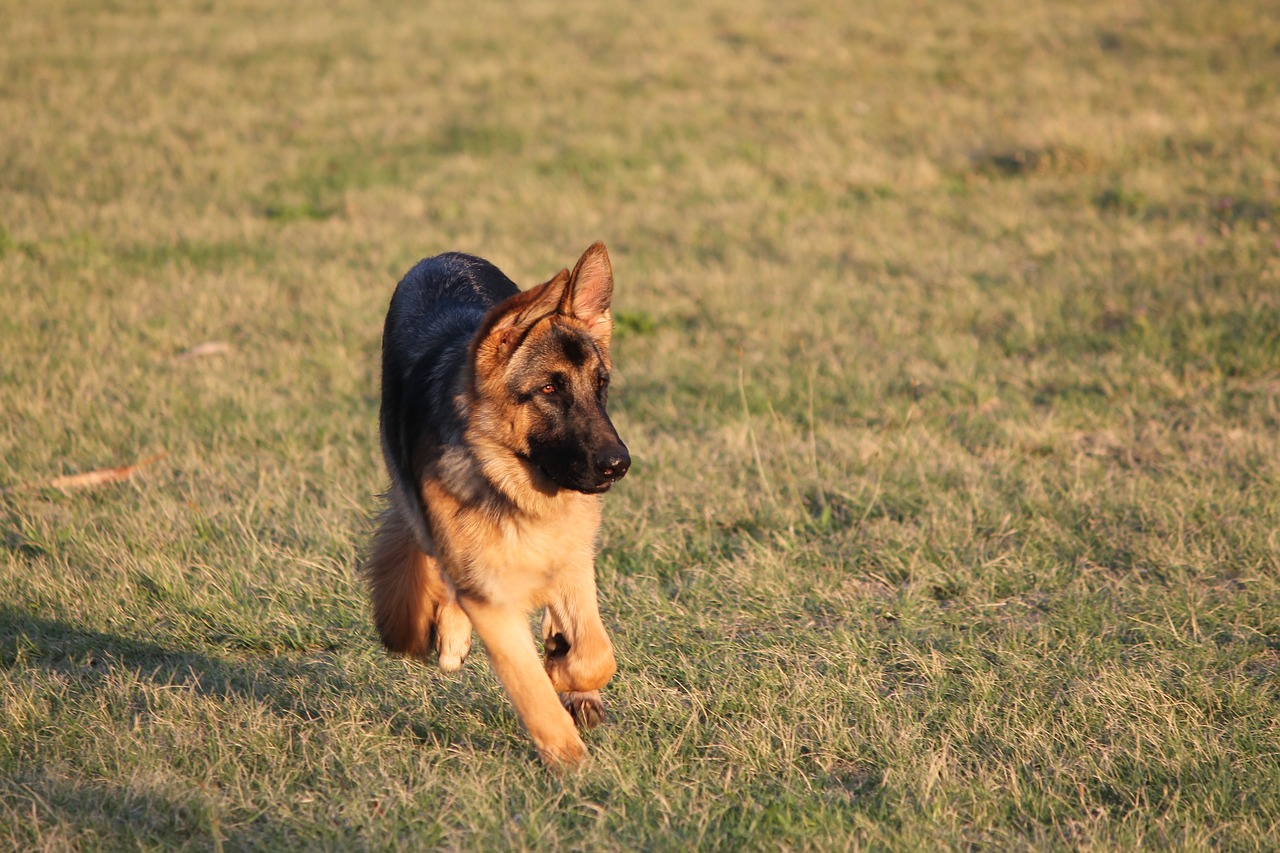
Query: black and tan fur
[{"x": 495, "y": 434}]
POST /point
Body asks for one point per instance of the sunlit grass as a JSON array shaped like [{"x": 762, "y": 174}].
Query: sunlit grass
[{"x": 946, "y": 350}]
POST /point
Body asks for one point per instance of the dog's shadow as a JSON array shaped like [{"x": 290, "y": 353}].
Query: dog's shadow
[
  {"x": 295, "y": 687},
  {"x": 302, "y": 689}
]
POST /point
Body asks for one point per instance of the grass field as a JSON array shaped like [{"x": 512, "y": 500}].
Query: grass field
[{"x": 948, "y": 352}]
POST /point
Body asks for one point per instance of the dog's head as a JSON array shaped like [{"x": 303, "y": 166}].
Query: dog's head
[{"x": 541, "y": 370}]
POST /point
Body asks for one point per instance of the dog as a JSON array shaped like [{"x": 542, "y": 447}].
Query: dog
[{"x": 499, "y": 446}]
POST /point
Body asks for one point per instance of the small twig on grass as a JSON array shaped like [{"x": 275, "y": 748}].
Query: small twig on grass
[
  {"x": 89, "y": 478},
  {"x": 206, "y": 349}
]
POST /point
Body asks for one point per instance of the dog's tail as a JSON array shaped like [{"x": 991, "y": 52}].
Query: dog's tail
[{"x": 414, "y": 609}]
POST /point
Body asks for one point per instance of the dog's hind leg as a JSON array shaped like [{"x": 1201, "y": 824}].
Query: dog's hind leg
[
  {"x": 452, "y": 634},
  {"x": 414, "y": 608}
]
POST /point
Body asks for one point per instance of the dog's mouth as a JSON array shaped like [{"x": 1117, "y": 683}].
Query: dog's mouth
[{"x": 598, "y": 489}]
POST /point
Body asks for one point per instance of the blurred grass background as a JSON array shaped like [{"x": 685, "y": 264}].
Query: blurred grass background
[{"x": 948, "y": 351}]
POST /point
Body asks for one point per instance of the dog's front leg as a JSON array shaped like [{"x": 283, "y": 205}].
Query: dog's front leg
[
  {"x": 585, "y": 706},
  {"x": 505, "y": 633},
  {"x": 578, "y": 654}
]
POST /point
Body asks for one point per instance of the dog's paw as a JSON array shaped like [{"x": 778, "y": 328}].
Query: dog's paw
[
  {"x": 564, "y": 757},
  {"x": 452, "y": 636},
  {"x": 586, "y": 708}
]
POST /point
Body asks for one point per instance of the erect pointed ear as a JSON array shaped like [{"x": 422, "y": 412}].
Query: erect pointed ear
[
  {"x": 590, "y": 292},
  {"x": 506, "y": 322}
]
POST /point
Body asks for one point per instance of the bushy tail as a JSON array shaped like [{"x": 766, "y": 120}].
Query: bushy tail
[{"x": 414, "y": 610}]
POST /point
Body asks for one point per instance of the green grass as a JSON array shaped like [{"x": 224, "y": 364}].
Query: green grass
[{"x": 948, "y": 350}]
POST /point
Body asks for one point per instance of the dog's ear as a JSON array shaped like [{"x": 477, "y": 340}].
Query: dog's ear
[
  {"x": 507, "y": 321},
  {"x": 590, "y": 292}
]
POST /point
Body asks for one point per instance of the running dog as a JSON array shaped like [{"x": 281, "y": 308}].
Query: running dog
[{"x": 496, "y": 437}]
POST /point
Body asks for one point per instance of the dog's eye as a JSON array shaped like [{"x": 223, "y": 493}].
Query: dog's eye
[{"x": 548, "y": 389}]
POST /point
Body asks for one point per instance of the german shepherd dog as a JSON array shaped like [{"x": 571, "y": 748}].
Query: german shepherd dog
[{"x": 495, "y": 434}]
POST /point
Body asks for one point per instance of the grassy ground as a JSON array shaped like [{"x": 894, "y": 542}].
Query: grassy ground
[{"x": 948, "y": 353}]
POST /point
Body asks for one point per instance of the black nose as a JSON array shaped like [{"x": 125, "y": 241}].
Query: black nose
[{"x": 613, "y": 462}]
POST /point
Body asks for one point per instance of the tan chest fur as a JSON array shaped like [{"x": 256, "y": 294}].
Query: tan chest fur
[{"x": 513, "y": 558}]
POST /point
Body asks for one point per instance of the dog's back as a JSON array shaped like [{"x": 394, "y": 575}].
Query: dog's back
[
  {"x": 435, "y": 310},
  {"x": 440, "y": 297}
]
